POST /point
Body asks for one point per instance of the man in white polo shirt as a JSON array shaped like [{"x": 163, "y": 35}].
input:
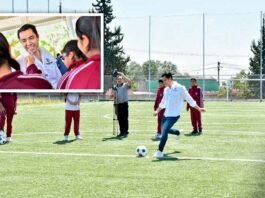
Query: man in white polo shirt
[
  {"x": 172, "y": 102},
  {"x": 29, "y": 38}
]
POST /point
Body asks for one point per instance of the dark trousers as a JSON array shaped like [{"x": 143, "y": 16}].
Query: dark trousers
[
  {"x": 69, "y": 115},
  {"x": 195, "y": 116},
  {"x": 167, "y": 124},
  {"x": 8, "y": 117},
  {"x": 122, "y": 115}
]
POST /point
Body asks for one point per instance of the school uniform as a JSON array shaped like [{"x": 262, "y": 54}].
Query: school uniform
[
  {"x": 9, "y": 101},
  {"x": 195, "y": 115},
  {"x": 16, "y": 80},
  {"x": 47, "y": 66},
  {"x": 72, "y": 112},
  {"x": 159, "y": 96},
  {"x": 83, "y": 76}
]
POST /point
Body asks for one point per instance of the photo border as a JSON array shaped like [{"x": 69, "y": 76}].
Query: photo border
[{"x": 101, "y": 90}]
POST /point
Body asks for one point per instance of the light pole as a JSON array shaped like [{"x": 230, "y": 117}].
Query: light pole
[
  {"x": 27, "y": 6},
  {"x": 13, "y": 6}
]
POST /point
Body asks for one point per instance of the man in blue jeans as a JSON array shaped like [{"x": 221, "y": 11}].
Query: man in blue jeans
[{"x": 172, "y": 102}]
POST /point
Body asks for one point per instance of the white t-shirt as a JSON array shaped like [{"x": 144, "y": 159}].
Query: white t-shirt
[
  {"x": 173, "y": 99},
  {"x": 47, "y": 66},
  {"x": 73, "y": 97}
]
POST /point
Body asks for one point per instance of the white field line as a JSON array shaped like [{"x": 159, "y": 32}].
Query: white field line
[
  {"x": 129, "y": 156},
  {"x": 154, "y": 120},
  {"x": 90, "y": 132}
]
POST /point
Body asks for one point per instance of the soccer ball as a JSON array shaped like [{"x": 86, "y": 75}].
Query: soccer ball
[
  {"x": 141, "y": 151},
  {"x": 2, "y": 139}
]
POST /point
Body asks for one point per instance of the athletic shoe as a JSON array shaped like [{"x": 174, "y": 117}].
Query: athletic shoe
[
  {"x": 180, "y": 131},
  {"x": 125, "y": 135},
  {"x": 157, "y": 136},
  {"x": 2, "y": 133},
  {"x": 120, "y": 135},
  {"x": 158, "y": 154},
  {"x": 9, "y": 139},
  {"x": 194, "y": 132},
  {"x": 200, "y": 132},
  {"x": 78, "y": 137},
  {"x": 66, "y": 138}
]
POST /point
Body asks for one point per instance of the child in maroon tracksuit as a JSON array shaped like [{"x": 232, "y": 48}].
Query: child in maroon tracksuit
[
  {"x": 72, "y": 111},
  {"x": 159, "y": 96},
  {"x": 8, "y": 103},
  {"x": 196, "y": 94}
]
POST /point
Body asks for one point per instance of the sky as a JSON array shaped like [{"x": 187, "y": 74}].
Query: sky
[{"x": 177, "y": 30}]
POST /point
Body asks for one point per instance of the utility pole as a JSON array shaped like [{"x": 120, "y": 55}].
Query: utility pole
[
  {"x": 48, "y": 6},
  {"x": 27, "y": 6},
  {"x": 13, "y": 6},
  {"x": 149, "y": 66},
  {"x": 60, "y": 7},
  {"x": 203, "y": 56},
  {"x": 261, "y": 53},
  {"x": 218, "y": 72}
]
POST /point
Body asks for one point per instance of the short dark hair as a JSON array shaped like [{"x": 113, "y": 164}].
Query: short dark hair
[
  {"x": 90, "y": 27},
  {"x": 27, "y": 27},
  {"x": 160, "y": 80},
  {"x": 167, "y": 75},
  {"x": 193, "y": 79},
  {"x": 71, "y": 46}
]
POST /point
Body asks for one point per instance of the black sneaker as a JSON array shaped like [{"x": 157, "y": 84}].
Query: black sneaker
[
  {"x": 120, "y": 135},
  {"x": 194, "y": 132},
  {"x": 125, "y": 135},
  {"x": 200, "y": 132}
]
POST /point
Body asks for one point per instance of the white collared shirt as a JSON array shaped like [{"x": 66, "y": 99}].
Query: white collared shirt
[
  {"x": 173, "y": 100},
  {"x": 47, "y": 66},
  {"x": 73, "y": 97}
]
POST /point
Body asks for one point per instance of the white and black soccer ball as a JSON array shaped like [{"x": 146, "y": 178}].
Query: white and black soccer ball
[
  {"x": 2, "y": 139},
  {"x": 141, "y": 151}
]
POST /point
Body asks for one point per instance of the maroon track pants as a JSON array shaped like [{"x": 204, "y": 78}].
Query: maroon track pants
[
  {"x": 69, "y": 115},
  {"x": 195, "y": 116},
  {"x": 159, "y": 121},
  {"x": 8, "y": 118}
]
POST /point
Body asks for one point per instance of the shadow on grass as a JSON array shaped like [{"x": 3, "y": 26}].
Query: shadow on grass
[
  {"x": 174, "y": 152},
  {"x": 192, "y": 135},
  {"x": 168, "y": 157},
  {"x": 61, "y": 142},
  {"x": 112, "y": 138},
  {"x": 155, "y": 139}
]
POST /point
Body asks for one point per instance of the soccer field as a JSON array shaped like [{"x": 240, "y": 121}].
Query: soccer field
[{"x": 228, "y": 160}]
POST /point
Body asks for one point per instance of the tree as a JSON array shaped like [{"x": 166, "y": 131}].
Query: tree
[
  {"x": 114, "y": 56},
  {"x": 168, "y": 66},
  {"x": 241, "y": 85},
  {"x": 154, "y": 65},
  {"x": 254, "y": 64},
  {"x": 134, "y": 70}
]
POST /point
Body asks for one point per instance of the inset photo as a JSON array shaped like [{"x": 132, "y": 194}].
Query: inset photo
[{"x": 51, "y": 53}]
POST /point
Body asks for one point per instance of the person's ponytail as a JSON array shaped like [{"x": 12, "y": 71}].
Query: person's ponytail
[
  {"x": 5, "y": 55},
  {"x": 14, "y": 64}
]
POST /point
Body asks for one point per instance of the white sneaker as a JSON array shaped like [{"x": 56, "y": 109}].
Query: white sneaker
[
  {"x": 2, "y": 133},
  {"x": 9, "y": 139},
  {"x": 157, "y": 136},
  {"x": 78, "y": 137},
  {"x": 66, "y": 138},
  {"x": 158, "y": 154}
]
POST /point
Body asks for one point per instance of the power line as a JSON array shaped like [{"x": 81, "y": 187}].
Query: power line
[{"x": 189, "y": 54}]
